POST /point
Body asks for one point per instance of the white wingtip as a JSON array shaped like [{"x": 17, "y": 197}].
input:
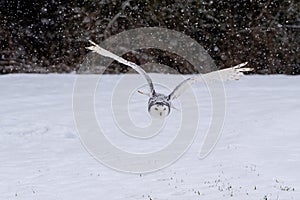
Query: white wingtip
[
  {"x": 92, "y": 48},
  {"x": 93, "y": 43},
  {"x": 240, "y": 65},
  {"x": 246, "y": 69},
  {"x": 240, "y": 69},
  {"x": 96, "y": 48}
]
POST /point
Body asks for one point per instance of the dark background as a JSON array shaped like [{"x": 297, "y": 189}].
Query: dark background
[{"x": 51, "y": 36}]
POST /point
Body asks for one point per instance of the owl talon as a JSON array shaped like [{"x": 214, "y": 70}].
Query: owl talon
[
  {"x": 172, "y": 106},
  {"x": 147, "y": 94}
]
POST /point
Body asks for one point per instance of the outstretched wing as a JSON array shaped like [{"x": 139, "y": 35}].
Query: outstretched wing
[
  {"x": 96, "y": 48},
  {"x": 232, "y": 73}
]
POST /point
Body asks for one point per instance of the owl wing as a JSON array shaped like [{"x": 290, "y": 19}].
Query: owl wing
[
  {"x": 97, "y": 49},
  {"x": 232, "y": 73}
]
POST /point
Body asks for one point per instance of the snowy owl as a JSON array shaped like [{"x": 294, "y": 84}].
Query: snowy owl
[{"x": 159, "y": 105}]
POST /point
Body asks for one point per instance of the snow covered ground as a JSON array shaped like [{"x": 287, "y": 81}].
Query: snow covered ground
[{"x": 257, "y": 156}]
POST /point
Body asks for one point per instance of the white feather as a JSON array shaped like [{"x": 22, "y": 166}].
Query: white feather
[
  {"x": 97, "y": 49},
  {"x": 232, "y": 73}
]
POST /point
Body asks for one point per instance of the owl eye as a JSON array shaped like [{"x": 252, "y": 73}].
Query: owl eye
[
  {"x": 156, "y": 108},
  {"x": 165, "y": 108}
]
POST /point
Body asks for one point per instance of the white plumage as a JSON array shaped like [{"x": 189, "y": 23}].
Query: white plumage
[{"x": 159, "y": 105}]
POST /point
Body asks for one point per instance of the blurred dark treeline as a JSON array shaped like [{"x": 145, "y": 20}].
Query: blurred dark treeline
[{"x": 51, "y": 36}]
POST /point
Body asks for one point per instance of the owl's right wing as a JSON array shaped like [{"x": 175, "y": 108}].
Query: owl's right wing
[
  {"x": 232, "y": 73},
  {"x": 96, "y": 48}
]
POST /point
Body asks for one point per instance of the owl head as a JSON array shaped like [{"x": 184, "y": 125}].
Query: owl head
[{"x": 159, "y": 109}]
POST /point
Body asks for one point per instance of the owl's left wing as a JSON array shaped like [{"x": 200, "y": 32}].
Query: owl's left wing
[
  {"x": 96, "y": 48},
  {"x": 232, "y": 73}
]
